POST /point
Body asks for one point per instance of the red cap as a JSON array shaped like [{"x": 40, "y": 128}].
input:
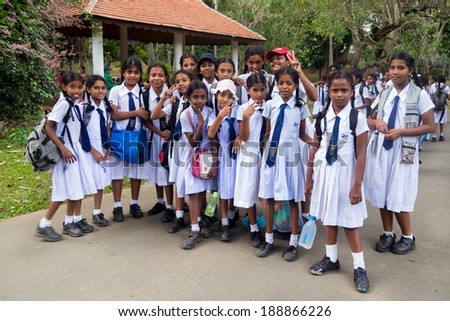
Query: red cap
[{"x": 279, "y": 51}]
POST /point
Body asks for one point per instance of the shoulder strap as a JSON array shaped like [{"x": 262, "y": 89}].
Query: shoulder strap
[
  {"x": 361, "y": 91},
  {"x": 190, "y": 120},
  {"x": 319, "y": 117},
  {"x": 353, "y": 122},
  {"x": 146, "y": 97}
]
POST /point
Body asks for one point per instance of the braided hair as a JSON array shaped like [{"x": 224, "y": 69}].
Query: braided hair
[{"x": 296, "y": 79}]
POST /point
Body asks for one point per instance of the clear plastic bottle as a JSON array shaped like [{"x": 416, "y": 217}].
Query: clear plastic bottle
[
  {"x": 209, "y": 211},
  {"x": 308, "y": 233}
]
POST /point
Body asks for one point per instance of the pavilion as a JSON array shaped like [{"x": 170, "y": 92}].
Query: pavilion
[{"x": 180, "y": 22}]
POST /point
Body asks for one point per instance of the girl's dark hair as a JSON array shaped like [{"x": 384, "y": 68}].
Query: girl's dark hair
[
  {"x": 196, "y": 84},
  {"x": 295, "y": 78},
  {"x": 70, "y": 76},
  {"x": 89, "y": 83},
  {"x": 358, "y": 75},
  {"x": 158, "y": 64},
  {"x": 337, "y": 66},
  {"x": 409, "y": 62},
  {"x": 256, "y": 79},
  {"x": 253, "y": 50},
  {"x": 132, "y": 62},
  {"x": 440, "y": 80},
  {"x": 187, "y": 54},
  {"x": 225, "y": 60},
  {"x": 340, "y": 74},
  {"x": 374, "y": 75},
  {"x": 185, "y": 72},
  {"x": 424, "y": 80},
  {"x": 67, "y": 78},
  {"x": 199, "y": 74}
]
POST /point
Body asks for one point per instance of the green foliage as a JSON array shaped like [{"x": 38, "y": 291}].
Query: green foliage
[{"x": 30, "y": 53}]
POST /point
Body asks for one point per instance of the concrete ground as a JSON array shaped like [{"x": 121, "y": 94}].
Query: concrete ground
[{"x": 138, "y": 260}]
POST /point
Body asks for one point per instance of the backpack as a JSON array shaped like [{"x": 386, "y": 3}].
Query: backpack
[
  {"x": 40, "y": 150},
  {"x": 439, "y": 99},
  {"x": 353, "y": 122}
]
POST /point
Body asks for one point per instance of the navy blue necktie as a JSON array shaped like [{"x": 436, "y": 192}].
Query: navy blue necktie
[
  {"x": 387, "y": 143},
  {"x": 85, "y": 141},
  {"x": 263, "y": 132},
  {"x": 273, "y": 148},
  {"x": 177, "y": 130},
  {"x": 322, "y": 98},
  {"x": 231, "y": 137},
  {"x": 103, "y": 132},
  {"x": 131, "y": 107},
  {"x": 331, "y": 155}
]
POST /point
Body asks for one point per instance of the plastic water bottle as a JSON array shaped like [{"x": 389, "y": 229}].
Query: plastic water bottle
[
  {"x": 209, "y": 211},
  {"x": 308, "y": 233}
]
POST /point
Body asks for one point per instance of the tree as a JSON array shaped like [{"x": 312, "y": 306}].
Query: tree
[{"x": 31, "y": 51}]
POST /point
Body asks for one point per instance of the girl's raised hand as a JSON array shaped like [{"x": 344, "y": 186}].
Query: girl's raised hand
[
  {"x": 226, "y": 111},
  {"x": 239, "y": 81},
  {"x": 168, "y": 93},
  {"x": 294, "y": 62},
  {"x": 251, "y": 109}
]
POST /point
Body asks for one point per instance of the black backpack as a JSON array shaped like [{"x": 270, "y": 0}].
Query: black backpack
[
  {"x": 40, "y": 150},
  {"x": 440, "y": 99}
]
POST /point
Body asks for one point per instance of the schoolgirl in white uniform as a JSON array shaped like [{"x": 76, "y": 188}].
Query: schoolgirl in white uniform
[
  {"x": 440, "y": 117},
  {"x": 223, "y": 126},
  {"x": 282, "y": 176},
  {"x": 335, "y": 176},
  {"x": 127, "y": 94},
  {"x": 252, "y": 132},
  {"x": 97, "y": 115},
  {"x": 72, "y": 177},
  {"x": 391, "y": 178},
  {"x": 159, "y": 132},
  {"x": 178, "y": 145},
  {"x": 322, "y": 96},
  {"x": 206, "y": 67},
  {"x": 362, "y": 102},
  {"x": 194, "y": 128}
]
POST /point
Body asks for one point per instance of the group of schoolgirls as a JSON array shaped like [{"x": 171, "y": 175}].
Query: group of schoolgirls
[{"x": 254, "y": 126}]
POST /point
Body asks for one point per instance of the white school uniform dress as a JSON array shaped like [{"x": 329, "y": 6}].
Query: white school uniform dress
[
  {"x": 248, "y": 160},
  {"x": 360, "y": 100},
  {"x": 226, "y": 176},
  {"x": 70, "y": 181},
  {"x": 99, "y": 171},
  {"x": 196, "y": 185},
  {"x": 388, "y": 181},
  {"x": 440, "y": 118},
  {"x": 119, "y": 169},
  {"x": 158, "y": 174},
  {"x": 208, "y": 85},
  {"x": 322, "y": 94},
  {"x": 330, "y": 201},
  {"x": 286, "y": 179},
  {"x": 178, "y": 151}
]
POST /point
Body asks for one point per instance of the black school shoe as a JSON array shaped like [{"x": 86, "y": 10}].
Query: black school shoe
[
  {"x": 99, "y": 220},
  {"x": 168, "y": 216},
  {"x": 118, "y": 214},
  {"x": 72, "y": 229},
  {"x": 157, "y": 208},
  {"x": 404, "y": 246},
  {"x": 48, "y": 234},
  {"x": 84, "y": 226},
  {"x": 324, "y": 266},
  {"x": 225, "y": 233},
  {"x": 362, "y": 283},
  {"x": 176, "y": 225},
  {"x": 135, "y": 211},
  {"x": 385, "y": 243}
]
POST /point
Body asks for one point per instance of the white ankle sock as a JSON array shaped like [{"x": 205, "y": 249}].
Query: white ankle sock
[
  {"x": 96, "y": 212},
  {"x": 230, "y": 214},
  {"x": 408, "y": 236},
  {"x": 179, "y": 214},
  {"x": 293, "y": 240},
  {"x": 77, "y": 218},
  {"x": 68, "y": 219},
  {"x": 225, "y": 221},
  {"x": 195, "y": 227},
  {"x": 358, "y": 260},
  {"x": 269, "y": 238},
  {"x": 388, "y": 233},
  {"x": 161, "y": 201},
  {"x": 332, "y": 252},
  {"x": 45, "y": 223},
  {"x": 117, "y": 204},
  {"x": 169, "y": 206},
  {"x": 134, "y": 202},
  {"x": 254, "y": 228}
]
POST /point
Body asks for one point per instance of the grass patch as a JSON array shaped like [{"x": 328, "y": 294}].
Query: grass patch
[{"x": 22, "y": 190}]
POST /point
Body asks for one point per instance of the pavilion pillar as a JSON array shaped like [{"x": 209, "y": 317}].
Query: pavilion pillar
[
  {"x": 178, "y": 45},
  {"x": 123, "y": 43},
  {"x": 97, "y": 48},
  {"x": 235, "y": 55}
]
